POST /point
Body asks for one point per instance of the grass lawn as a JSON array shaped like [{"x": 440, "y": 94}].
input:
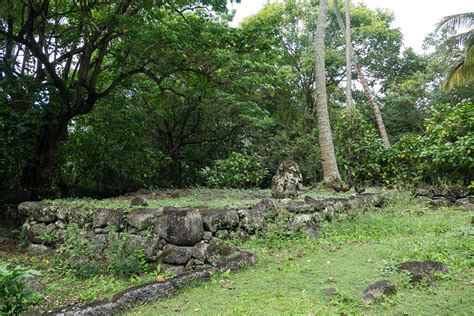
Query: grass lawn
[
  {"x": 198, "y": 197},
  {"x": 292, "y": 274}
]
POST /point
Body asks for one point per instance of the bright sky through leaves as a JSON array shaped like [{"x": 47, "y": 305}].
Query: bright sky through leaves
[{"x": 415, "y": 18}]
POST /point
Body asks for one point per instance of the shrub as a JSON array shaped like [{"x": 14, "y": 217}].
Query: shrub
[
  {"x": 81, "y": 255},
  {"x": 15, "y": 298},
  {"x": 444, "y": 154},
  {"x": 358, "y": 148},
  {"x": 125, "y": 257},
  {"x": 237, "y": 171}
]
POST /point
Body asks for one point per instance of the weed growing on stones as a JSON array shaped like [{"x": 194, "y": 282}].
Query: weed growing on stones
[{"x": 124, "y": 257}]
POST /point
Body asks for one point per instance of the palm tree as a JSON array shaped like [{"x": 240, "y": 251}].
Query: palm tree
[
  {"x": 368, "y": 93},
  {"x": 462, "y": 71},
  {"x": 348, "y": 56},
  {"x": 331, "y": 174}
]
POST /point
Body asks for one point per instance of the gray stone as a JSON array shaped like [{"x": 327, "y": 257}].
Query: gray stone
[
  {"x": 59, "y": 236},
  {"x": 103, "y": 217},
  {"x": 201, "y": 251},
  {"x": 467, "y": 203},
  {"x": 222, "y": 234},
  {"x": 423, "y": 192},
  {"x": 215, "y": 219},
  {"x": 39, "y": 250},
  {"x": 302, "y": 207},
  {"x": 30, "y": 208},
  {"x": 138, "y": 201},
  {"x": 46, "y": 214},
  {"x": 176, "y": 255},
  {"x": 182, "y": 227},
  {"x": 266, "y": 207},
  {"x": 328, "y": 213},
  {"x": 313, "y": 231},
  {"x": 377, "y": 290},
  {"x": 287, "y": 181},
  {"x": 190, "y": 265},
  {"x": 239, "y": 234},
  {"x": 366, "y": 199},
  {"x": 100, "y": 241},
  {"x": 318, "y": 217},
  {"x": 137, "y": 295},
  {"x": 35, "y": 284},
  {"x": 101, "y": 230},
  {"x": 37, "y": 232},
  {"x": 60, "y": 224},
  {"x": 79, "y": 216},
  {"x": 251, "y": 221},
  {"x": 329, "y": 291},
  {"x": 423, "y": 270},
  {"x": 142, "y": 219},
  {"x": 63, "y": 213},
  {"x": 459, "y": 192},
  {"x": 438, "y": 192},
  {"x": 152, "y": 245},
  {"x": 173, "y": 269},
  {"x": 300, "y": 220},
  {"x": 207, "y": 236},
  {"x": 440, "y": 202}
]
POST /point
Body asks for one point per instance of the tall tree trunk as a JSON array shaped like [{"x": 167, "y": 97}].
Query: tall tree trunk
[
  {"x": 37, "y": 173},
  {"x": 375, "y": 107},
  {"x": 348, "y": 57},
  {"x": 369, "y": 95},
  {"x": 328, "y": 156}
]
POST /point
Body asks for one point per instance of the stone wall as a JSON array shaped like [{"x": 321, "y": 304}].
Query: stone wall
[
  {"x": 437, "y": 196},
  {"x": 182, "y": 238}
]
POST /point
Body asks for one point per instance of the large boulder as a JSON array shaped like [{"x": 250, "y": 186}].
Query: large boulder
[
  {"x": 46, "y": 215},
  {"x": 182, "y": 227},
  {"x": 142, "y": 219},
  {"x": 149, "y": 244},
  {"x": 302, "y": 207},
  {"x": 216, "y": 219},
  {"x": 176, "y": 255},
  {"x": 287, "y": 181},
  {"x": 29, "y": 208},
  {"x": 201, "y": 251},
  {"x": 266, "y": 207},
  {"x": 423, "y": 270},
  {"x": 138, "y": 201},
  {"x": 81, "y": 217},
  {"x": 38, "y": 233},
  {"x": 377, "y": 290},
  {"x": 251, "y": 220},
  {"x": 103, "y": 217},
  {"x": 39, "y": 250}
]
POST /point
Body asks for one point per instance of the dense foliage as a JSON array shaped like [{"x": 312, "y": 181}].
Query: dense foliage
[
  {"x": 237, "y": 171},
  {"x": 168, "y": 94},
  {"x": 16, "y": 297}
]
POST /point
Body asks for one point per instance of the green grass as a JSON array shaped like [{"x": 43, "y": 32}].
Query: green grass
[
  {"x": 198, "y": 197},
  {"x": 186, "y": 198},
  {"x": 291, "y": 274}
]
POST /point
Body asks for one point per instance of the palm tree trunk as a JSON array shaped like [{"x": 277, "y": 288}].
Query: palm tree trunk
[
  {"x": 369, "y": 95},
  {"x": 328, "y": 157},
  {"x": 348, "y": 57}
]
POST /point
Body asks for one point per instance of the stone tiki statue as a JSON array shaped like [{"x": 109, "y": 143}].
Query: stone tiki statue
[{"x": 287, "y": 181}]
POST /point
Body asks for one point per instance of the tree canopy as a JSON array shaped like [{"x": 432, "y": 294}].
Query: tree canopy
[{"x": 115, "y": 96}]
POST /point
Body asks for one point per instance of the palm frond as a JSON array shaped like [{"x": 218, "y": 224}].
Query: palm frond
[
  {"x": 456, "y": 21},
  {"x": 462, "y": 71}
]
